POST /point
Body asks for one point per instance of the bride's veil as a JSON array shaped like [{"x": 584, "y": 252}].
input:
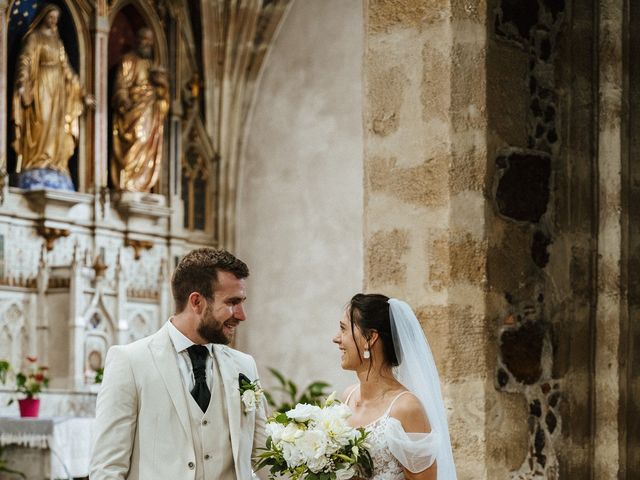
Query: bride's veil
[{"x": 418, "y": 373}]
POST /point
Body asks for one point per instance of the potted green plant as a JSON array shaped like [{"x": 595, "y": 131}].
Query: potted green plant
[{"x": 30, "y": 384}]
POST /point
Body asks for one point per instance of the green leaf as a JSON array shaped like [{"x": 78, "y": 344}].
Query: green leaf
[
  {"x": 293, "y": 390},
  {"x": 279, "y": 376}
]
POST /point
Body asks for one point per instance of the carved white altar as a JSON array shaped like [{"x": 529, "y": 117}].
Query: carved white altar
[{"x": 83, "y": 270}]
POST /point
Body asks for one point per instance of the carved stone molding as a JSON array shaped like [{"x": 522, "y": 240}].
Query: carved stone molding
[
  {"x": 51, "y": 234},
  {"x": 138, "y": 246},
  {"x": 55, "y": 204},
  {"x": 136, "y": 204}
]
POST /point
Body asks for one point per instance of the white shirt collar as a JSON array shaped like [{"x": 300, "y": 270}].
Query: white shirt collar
[{"x": 180, "y": 342}]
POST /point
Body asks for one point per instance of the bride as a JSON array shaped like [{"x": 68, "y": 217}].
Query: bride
[{"x": 397, "y": 398}]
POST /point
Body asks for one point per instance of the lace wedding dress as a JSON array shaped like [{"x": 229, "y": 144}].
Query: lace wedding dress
[{"x": 391, "y": 447}]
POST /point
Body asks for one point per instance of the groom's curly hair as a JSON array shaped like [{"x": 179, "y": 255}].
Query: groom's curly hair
[{"x": 198, "y": 272}]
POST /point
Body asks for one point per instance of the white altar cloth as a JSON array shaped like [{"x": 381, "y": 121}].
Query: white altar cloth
[{"x": 69, "y": 439}]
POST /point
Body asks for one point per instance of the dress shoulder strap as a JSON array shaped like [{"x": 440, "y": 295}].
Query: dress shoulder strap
[
  {"x": 394, "y": 401},
  {"x": 346, "y": 402}
]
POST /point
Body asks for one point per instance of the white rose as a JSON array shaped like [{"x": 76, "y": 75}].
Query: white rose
[
  {"x": 274, "y": 430},
  {"x": 313, "y": 445},
  {"x": 345, "y": 473},
  {"x": 292, "y": 454},
  {"x": 318, "y": 464},
  {"x": 303, "y": 412},
  {"x": 291, "y": 433},
  {"x": 333, "y": 422},
  {"x": 249, "y": 399}
]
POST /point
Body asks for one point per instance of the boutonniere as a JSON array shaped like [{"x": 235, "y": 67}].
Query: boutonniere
[{"x": 250, "y": 393}]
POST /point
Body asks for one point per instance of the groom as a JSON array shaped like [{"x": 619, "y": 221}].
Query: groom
[{"x": 169, "y": 407}]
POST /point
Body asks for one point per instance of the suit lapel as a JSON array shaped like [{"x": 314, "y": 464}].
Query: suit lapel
[
  {"x": 164, "y": 357},
  {"x": 229, "y": 372}
]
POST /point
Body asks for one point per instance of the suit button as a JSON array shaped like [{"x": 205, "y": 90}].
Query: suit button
[
  {"x": 207, "y": 457},
  {"x": 191, "y": 465},
  {"x": 204, "y": 422}
]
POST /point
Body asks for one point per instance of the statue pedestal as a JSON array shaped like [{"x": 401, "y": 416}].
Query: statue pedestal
[
  {"x": 142, "y": 210},
  {"x": 139, "y": 204},
  {"x": 57, "y": 204}
]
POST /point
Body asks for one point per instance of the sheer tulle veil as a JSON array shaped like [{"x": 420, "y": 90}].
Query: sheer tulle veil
[{"x": 418, "y": 373}]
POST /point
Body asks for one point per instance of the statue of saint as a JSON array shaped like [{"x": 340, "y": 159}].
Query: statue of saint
[
  {"x": 140, "y": 102},
  {"x": 47, "y": 102}
]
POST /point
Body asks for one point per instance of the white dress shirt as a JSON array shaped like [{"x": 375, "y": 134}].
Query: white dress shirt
[{"x": 181, "y": 343}]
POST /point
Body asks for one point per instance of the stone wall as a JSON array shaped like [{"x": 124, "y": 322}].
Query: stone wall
[
  {"x": 299, "y": 214},
  {"x": 631, "y": 332},
  {"x": 425, "y": 168},
  {"x": 496, "y": 204}
]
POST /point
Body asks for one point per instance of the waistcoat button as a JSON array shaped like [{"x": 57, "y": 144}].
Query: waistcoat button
[
  {"x": 204, "y": 422},
  {"x": 191, "y": 465},
  {"x": 207, "y": 457}
]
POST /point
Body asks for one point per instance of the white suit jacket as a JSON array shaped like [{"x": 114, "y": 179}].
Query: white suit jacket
[{"x": 143, "y": 430}]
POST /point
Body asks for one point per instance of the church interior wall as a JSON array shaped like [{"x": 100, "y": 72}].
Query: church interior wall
[{"x": 299, "y": 216}]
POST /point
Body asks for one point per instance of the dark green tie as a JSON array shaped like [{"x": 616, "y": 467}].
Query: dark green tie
[{"x": 200, "y": 393}]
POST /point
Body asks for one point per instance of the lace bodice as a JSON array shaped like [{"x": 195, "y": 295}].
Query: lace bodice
[
  {"x": 385, "y": 465},
  {"x": 391, "y": 447}
]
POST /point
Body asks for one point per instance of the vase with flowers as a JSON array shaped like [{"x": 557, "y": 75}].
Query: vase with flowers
[{"x": 30, "y": 384}]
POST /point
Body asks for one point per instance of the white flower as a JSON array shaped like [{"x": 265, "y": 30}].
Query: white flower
[
  {"x": 274, "y": 430},
  {"x": 249, "y": 400},
  {"x": 292, "y": 455},
  {"x": 303, "y": 412},
  {"x": 313, "y": 446},
  {"x": 345, "y": 473},
  {"x": 333, "y": 421},
  {"x": 291, "y": 433}
]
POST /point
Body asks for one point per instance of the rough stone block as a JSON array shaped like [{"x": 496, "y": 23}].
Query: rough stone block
[
  {"x": 385, "y": 15},
  {"x": 436, "y": 83},
  {"x": 468, "y": 260},
  {"x": 508, "y": 93},
  {"x": 385, "y": 91},
  {"x": 424, "y": 185},
  {"x": 468, "y": 86},
  {"x": 383, "y": 257}
]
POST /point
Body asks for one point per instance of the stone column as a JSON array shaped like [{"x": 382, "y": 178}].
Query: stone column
[
  {"x": 611, "y": 298},
  {"x": 4, "y": 27},
  {"x": 425, "y": 162},
  {"x": 102, "y": 111}
]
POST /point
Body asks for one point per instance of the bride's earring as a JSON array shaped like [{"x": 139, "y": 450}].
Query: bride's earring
[{"x": 366, "y": 354}]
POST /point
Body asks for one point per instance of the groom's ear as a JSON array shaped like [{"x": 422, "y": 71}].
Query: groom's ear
[{"x": 197, "y": 302}]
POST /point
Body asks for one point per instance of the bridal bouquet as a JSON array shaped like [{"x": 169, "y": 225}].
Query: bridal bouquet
[{"x": 313, "y": 442}]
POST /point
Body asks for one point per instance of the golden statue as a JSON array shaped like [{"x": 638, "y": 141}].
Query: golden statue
[
  {"x": 141, "y": 102},
  {"x": 47, "y": 102}
]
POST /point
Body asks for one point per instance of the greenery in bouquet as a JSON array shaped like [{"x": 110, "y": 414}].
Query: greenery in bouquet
[
  {"x": 290, "y": 395},
  {"x": 312, "y": 442},
  {"x": 31, "y": 383}
]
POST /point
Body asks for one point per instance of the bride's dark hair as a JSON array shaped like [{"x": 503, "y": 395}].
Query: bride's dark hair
[{"x": 370, "y": 312}]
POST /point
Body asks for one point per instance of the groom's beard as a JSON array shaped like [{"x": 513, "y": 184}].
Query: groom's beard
[{"x": 211, "y": 329}]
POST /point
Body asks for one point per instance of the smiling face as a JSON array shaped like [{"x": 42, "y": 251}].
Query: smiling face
[
  {"x": 225, "y": 311},
  {"x": 349, "y": 341}
]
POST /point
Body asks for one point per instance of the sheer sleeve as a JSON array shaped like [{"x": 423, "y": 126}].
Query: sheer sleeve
[{"x": 415, "y": 451}]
